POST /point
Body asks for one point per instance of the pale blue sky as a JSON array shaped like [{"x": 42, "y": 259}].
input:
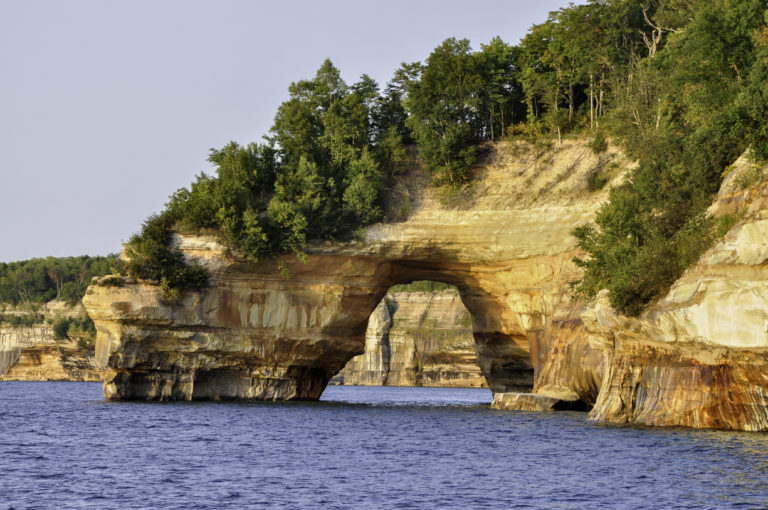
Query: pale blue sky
[{"x": 108, "y": 107}]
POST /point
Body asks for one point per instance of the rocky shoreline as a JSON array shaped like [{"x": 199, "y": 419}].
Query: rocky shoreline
[
  {"x": 34, "y": 352},
  {"x": 695, "y": 358}
]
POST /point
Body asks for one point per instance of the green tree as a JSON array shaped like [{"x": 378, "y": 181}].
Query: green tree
[
  {"x": 753, "y": 99},
  {"x": 36, "y": 281},
  {"x": 685, "y": 121},
  {"x": 152, "y": 256},
  {"x": 442, "y": 106},
  {"x": 362, "y": 186},
  {"x": 500, "y": 93}
]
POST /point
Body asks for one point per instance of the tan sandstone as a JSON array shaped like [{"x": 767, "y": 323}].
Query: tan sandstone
[
  {"x": 35, "y": 354},
  {"x": 695, "y": 358},
  {"x": 698, "y": 357},
  {"x": 253, "y": 334}
]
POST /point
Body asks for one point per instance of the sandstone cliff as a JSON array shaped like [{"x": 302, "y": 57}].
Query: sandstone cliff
[
  {"x": 417, "y": 339},
  {"x": 33, "y": 353},
  {"x": 252, "y": 334},
  {"x": 698, "y": 357}
]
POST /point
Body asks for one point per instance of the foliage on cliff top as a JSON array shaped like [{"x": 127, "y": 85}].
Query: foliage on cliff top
[
  {"x": 332, "y": 150},
  {"x": 422, "y": 286},
  {"x": 16, "y": 320},
  {"x": 81, "y": 329},
  {"x": 686, "y": 110},
  {"x": 319, "y": 176},
  {"x": 151, "y": 256},
  {"x": 457, "y": 99},
  {"x": 680, "y": 84},
  {"x": 37, "y": 281}
]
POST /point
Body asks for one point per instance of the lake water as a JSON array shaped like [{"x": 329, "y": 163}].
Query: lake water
[{"x": 62, "y": 446}]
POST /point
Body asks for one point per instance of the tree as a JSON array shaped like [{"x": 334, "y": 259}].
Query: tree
[
  {"x": 501, "y": 93},
  {"x": 36, "y": 281},
  {"x": 686, "y": 120},
  {"x": 362, "y": 186},
  {"x": 443, "y": 107},
  {"x": 753, "y": 99}
]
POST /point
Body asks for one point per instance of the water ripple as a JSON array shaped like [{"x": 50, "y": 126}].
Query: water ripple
[{"x": 359, "y": 448}]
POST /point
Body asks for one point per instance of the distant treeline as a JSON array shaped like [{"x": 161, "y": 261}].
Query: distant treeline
[
  {"x": 680, "y": 84},
  {"x": 421, "y": 286},
  {"x": 37, "y": 281}
]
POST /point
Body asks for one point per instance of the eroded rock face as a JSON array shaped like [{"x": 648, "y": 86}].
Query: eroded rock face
[
  {"x": 35, "y": 354},
  {"x": 535, "y": 402},
  {"x": 373, "y": 366},
  {"x": 699, "y": 357},
  {"x": 426, "y": 340},
  {"x": 255, "y": 335}
]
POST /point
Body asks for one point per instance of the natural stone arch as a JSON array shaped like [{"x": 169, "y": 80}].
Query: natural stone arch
[
  {"x": 254, "y": 334},
  {"x": 504, "y": 357}
]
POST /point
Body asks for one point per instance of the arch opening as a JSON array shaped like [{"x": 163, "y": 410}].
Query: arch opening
[
  {"x": 419, "y": 334},
  {"x": 437, "y": 327}
]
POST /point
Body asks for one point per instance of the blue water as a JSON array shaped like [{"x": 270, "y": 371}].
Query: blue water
[{"x": 62, "y": 446}]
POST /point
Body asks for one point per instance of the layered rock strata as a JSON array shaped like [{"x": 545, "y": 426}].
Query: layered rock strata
[
  {"x": 373, "y": 366},
  {"x": 698, "y": 357},
  {"x": 35, "y": 354},
  {"x": 536, "y": 402},
  {"x": 505, "y": 244},
  {"x": 417, "y": 339}
]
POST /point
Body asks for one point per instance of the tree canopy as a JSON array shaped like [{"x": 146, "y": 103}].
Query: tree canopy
[
  {"x": 680, "y": 85},
  {"x": 685, "y": 110},
  {"x": 319, "y": 175},
  {"x": 37, "y": 281}
]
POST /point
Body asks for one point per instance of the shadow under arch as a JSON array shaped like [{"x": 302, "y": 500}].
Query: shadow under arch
[
  {"x": 504, "y": 358},
  {"x": 253, "y": 335}
]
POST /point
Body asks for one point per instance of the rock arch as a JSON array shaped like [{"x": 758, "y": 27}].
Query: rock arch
[
  {"x": 255, "y": 335},
  {"x": 696, "y": 358}
]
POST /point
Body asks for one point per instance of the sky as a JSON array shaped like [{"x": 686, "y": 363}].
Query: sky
[{"x": 107, "y": 107}]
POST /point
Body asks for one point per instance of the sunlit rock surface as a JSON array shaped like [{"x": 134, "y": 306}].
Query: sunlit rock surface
[
  {"x": 698, "y": 357},
  {"x": 505, "y": 244},
  {"x": 35, "y": 354},
  {"x": 373, "y": 366},
  {"x": 417, "y": 339},
  {"x": 535, "y": 402}
]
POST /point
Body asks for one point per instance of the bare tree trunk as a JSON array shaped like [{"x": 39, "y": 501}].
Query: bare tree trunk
[
  {"x": 657, "y": 32},
  {"x": 600, "y": 110},
  {"x": 591, "y": 102},
  {"x": 491, "y": 119}
]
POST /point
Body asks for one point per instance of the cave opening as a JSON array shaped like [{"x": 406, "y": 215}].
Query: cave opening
[{"x": 419, "y": 335}]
